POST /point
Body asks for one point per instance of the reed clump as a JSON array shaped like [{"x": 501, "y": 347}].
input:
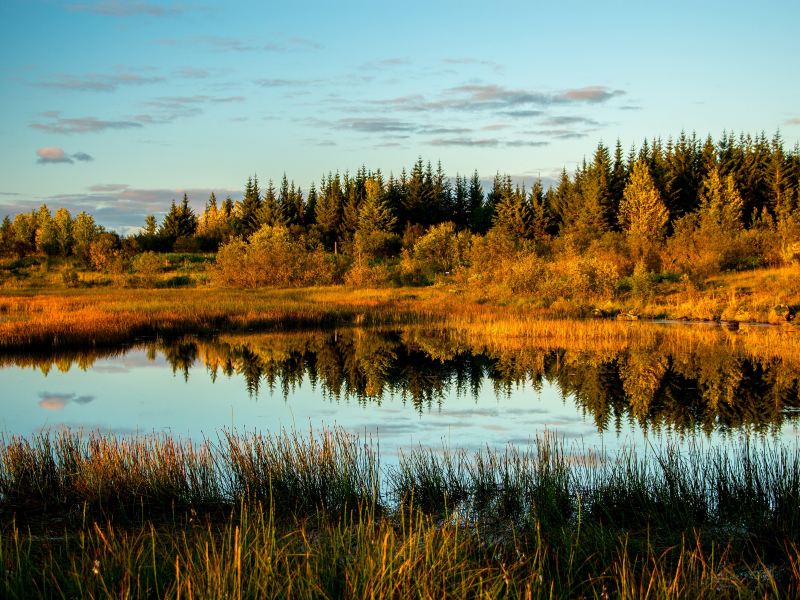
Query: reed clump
[{"x": 313, "y": 515}]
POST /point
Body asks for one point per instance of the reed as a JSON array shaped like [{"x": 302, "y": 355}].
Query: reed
[{"x": 312, "y": 516}]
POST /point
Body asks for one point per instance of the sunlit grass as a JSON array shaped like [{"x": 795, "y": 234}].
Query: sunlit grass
[
  {"x": 312, "y": 515},
  {"x": 63, "y": 318}
]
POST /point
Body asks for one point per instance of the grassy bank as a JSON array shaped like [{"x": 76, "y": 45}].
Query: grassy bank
[
  {"x": 315, "y": 516},
  {"x": 55, "y": 317}
]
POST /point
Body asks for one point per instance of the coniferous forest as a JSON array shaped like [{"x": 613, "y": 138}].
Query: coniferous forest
[{"x": 686, "y": 207}]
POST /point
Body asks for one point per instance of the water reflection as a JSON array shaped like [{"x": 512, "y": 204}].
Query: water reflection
[{"x": 708, "y": 387}]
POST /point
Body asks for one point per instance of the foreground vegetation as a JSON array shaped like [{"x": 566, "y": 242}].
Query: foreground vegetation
[{"x": 292, "y": 516}]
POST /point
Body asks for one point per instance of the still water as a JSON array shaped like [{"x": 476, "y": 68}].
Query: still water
[{"x": 405, "y": 388}]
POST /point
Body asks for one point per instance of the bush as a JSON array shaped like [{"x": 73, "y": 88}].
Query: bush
[
  {"x": 104, "y": 253},
  {"x": 273, "y": 258},
  {"x": 147, "y": 266},
  {"x": 366, "y": 275},
  {"x": 70, "y": 278},
  {"x": 442, "y": 249}
]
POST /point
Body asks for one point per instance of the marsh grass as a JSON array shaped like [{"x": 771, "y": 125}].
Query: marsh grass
[
  {"x": 293, "y": 515},
  {"x": 55, "y": 317}
]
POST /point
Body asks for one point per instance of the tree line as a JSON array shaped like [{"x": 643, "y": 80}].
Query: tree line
[{"x": 685, "y": 205}]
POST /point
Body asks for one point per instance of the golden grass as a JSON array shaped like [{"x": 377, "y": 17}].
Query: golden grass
[{"x": 59, "y": 317}]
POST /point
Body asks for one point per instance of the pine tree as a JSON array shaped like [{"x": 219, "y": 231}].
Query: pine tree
[
  {"x": 187, "y": 220},
  {"x": 248, "y": 209},
  {"x": 310, "y": 206},
  {"x": 478, "y": 220},
  {"x": 170, "y": 227},
  {"x": 513, "y": 216},
  {"x": 721, "y": 203},
  {"x": 328, "y": 212}
]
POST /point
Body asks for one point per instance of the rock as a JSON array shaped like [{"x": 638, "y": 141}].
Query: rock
[
  {"x": 781, "y": 314},
  {"x": 730, "y": 325},
  {"x": 627, "y": 317}
]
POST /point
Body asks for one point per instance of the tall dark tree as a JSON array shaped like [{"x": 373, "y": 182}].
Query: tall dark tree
[
  {"x": 248, "y": 210},
  {"x": 478, "y": 220},
  {"x": 328, "y": 212}
]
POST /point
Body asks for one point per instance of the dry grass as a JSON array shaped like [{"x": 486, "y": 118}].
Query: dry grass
[
  {"x": 54, "y": 316},
  {"x": 295, "y": 516}
]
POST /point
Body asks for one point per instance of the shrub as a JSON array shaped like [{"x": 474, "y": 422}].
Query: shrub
[
  {"x": 273, "y": 257},
  {"x": 147, "y": 265},
  {"x": 442, "y": 249}
]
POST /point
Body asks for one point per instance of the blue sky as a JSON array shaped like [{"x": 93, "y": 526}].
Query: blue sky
[{"x": 117, "y": 107}]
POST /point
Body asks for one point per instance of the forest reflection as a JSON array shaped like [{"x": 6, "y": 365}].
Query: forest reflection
[{"x": 713, "y": 386}]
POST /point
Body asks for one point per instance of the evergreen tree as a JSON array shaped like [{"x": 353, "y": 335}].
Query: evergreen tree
[
  {"x": 187, "y": 220},
  {"x": 328, "y": 212},
  {"x": 374, "y": 234},
  {"x": 170, "y": 227},
  {"x": 642, "y": 213},
  {"x": 478, "y": 219},
  {"x": 513, "y": 216},
  {"x": 150, "y": 226},
  {"x": 310, "y": 207},
  {"x": 248, "y": 210}
]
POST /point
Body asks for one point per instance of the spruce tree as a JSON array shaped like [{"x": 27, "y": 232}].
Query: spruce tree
[{"x": 642, "y": 213}]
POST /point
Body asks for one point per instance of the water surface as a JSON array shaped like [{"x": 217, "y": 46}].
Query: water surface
[{"x": 405, "y": 387}]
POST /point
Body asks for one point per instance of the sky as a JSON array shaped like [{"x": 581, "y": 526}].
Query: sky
[{"x": 117, "y": 107}]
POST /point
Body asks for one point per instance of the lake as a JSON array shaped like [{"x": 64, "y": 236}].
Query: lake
[{"x": 412, "y": 386}]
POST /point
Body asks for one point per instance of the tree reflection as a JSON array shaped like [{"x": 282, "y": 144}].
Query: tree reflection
[{"x": 686, "y": 387}]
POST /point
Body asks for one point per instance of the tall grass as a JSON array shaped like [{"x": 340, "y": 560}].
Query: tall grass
[
  {"x": 285, "y": 515},
  {"x": 56, "y": 318}
]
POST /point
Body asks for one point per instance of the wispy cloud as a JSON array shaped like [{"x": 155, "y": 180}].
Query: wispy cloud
[
  {"x": 446, "y": 130},
  {"x": 592, "y": 94},
  {"x": 463, "y": 141},
  {"x": 55, "y": 155},
  {"x": 527, "y": 143},
  {"x": 375, "y": 125},
  {"x": 173, "y": 102},
  {"x": 473, "y": 62},
  {"x": 476, "y": 97},
  {"x": 108, "y": 187},
  {"x": 793, "y": 121},
  {"x": 234, "y": 44},
  {"x": 522, "y": 114},
  {"x": 165, "y": 109},
  {"x": 385, "y": 63},
  {"x": 98, "y": 82},
  {"x": 191, "y": 73},
  {"x": 559, "y": 133},
  {"x": 569, "y": 120},
  {"x": 486, "y": 142},
  {"x": 58, "y": 124},
  {"x": 287, "y": 83},
  {"x": 126, "y": 8}
]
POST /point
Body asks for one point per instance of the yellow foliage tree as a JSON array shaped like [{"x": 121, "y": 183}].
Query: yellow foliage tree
[{"x": 642, "y": 212}]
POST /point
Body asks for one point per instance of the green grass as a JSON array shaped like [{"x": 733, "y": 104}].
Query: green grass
[{"x": 289, "y": 515}]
